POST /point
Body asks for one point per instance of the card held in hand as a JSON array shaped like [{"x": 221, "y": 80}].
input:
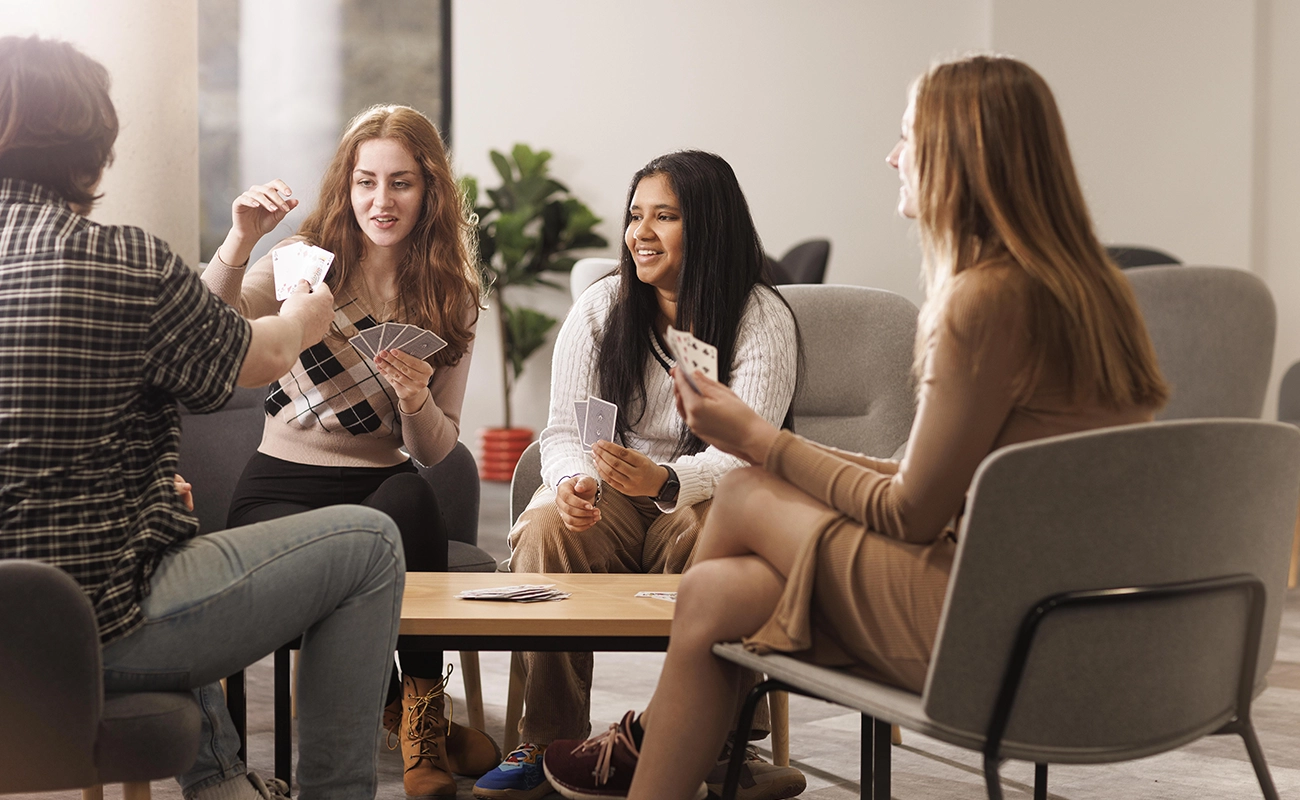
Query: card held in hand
[
  {"x": 580, "y": 412},
  {"x": 599, "y": 424}
]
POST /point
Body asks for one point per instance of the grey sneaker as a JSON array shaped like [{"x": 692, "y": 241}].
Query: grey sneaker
[
  {"x": 759, "y": 780},
  {"x": 273, "y": 789},
  {"x": 243, "y": 787}
]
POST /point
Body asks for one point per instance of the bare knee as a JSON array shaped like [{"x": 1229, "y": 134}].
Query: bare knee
[{"x": 736, "y": 490}]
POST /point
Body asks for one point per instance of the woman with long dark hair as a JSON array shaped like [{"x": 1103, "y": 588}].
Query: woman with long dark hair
[
  {"x": 691, "y": 259},
  {"x": 337, "y": 422},
  {"x": 1028, "y": 331}
]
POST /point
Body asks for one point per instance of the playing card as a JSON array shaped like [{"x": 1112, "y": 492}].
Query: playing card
[
  {"x": 371, "y": 337},
  {"x": 580, "y": 412},
  {"x": 669, "y": 596},
  {"x": 692, "y": 354},
  {"x": 524, "y": 593},
  {"x": 299, "y": 261},
  {"x": 425, "y": 344},
  {"x": 599, "y": 424},
  {"x": 360, "y": 344},
  {"x": 388, "y": 331},
  {"x": 407, "y": 333}
]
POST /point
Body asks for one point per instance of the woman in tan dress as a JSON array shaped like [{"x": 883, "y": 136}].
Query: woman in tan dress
[{"x": 1027, "y": 331}]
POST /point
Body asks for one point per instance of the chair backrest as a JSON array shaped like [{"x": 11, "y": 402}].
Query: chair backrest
[
  {"x": 51, "y": 681},
  {"x": 1130, "y": 506},
  {"x": 527, "y": 477},
  {"x": 1288, "y": 396},
  {"x": 455, "y": 483},
  {"x": 856, "y": 391},
  {"x": 1213, "y": 331},
  {"x": 587, "y": 271},
  {"x": 214, "y": 449},
  {"x": 806, "y": 261},
  {"x": 1127, "y": 256}
]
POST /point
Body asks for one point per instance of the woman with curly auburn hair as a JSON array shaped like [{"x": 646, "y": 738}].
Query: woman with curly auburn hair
[
  {"x": 1028, "y": 331},
  {"x": 338, "y": 421}
]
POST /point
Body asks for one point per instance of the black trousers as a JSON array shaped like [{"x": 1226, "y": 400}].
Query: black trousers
[{"x": 270, "y": 488}]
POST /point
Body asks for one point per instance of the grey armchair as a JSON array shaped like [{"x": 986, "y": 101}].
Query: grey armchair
[
  {"x": 1213, "y": 332},
  {"x": 61, "y": 731},
  {"x": 1116, "y": 593}
]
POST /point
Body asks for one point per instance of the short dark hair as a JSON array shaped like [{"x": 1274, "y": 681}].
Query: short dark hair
[{"x": 57, "y": 122}]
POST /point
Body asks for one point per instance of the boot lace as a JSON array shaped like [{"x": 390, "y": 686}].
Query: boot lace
[
  {"x": 605, "y": 743},
  {"x": 424, "y": 727}
]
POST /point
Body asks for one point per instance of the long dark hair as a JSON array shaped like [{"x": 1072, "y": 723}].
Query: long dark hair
[{"x": 722, "y": 262}]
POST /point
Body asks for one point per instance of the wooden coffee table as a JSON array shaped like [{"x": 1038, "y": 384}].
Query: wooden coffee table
[{"x": 603, "y": 614}]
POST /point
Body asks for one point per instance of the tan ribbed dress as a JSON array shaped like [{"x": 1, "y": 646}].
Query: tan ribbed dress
[{"x": 867, "y": 589}]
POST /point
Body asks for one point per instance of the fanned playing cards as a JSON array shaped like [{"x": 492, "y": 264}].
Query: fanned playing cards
[
  {"x": 299, "y": 262},
  {"x": 595, "y": 420},
  {"x": 523, "y": 593},
  {"x": 691, "y": 354},
  {"x": 410, "y": 339}
]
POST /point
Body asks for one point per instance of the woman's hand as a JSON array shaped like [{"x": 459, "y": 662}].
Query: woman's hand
[
  {"x": 186, "y": 492},
  {"x": 722, "y": 419},
  {"x": 575, "y": 499},
  {"x": 409, "y": 377},
  {"x": 254, "y": 214},
  {"x": 629, "y": 471}
]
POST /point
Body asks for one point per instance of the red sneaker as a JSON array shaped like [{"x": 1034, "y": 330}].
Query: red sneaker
[{"x": 599, "y": 768}]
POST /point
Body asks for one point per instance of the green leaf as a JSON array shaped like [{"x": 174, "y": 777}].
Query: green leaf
[
  {"x": 526, "y": 331},
  {"x": 503, "y": 168},
  {"x": 469, "y": 190}
]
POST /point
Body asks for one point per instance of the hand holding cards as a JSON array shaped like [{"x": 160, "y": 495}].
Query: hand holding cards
[
  {"x": 691, "y": 354},
  {"x": 299, "y": 262},
  {"x": 410, "y": 339}
]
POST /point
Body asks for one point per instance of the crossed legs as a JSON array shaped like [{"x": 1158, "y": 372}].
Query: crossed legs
[{"x": 753, "y": 533}]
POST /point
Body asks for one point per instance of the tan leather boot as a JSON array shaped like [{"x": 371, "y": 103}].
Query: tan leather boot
[
  {"x": 470, "y": 751},
  {"x": 424, "y": 739}
]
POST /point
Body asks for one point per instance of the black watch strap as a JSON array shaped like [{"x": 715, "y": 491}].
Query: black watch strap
[{"x": 668, "y": 492}]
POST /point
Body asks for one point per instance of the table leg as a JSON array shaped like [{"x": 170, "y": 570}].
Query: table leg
[
  {"x": 469, "y": 674},
  {"x": 514, "y": 703},
  {"x": 779, "y": 703},
  {"x": 1294, "y": 575}
]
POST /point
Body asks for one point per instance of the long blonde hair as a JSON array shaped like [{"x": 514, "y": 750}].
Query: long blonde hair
[
  {"x": 438, "y": 280},
  {"x": 995, "y": 183}
]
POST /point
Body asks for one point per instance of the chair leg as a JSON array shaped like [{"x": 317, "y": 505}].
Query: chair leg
[
  {"x": 780, "y": 707},
  {"x": 1040, "y": 782},
  {"x": 469, "y": 673},
  {"x": 136, "y": 790},
  {"x": 514, "y": 703},
  {"x": 1294, "y": 575},
  {"x": 283, "y": 719},
  {"x": 867, "y": 767},
  {"x": 1247, "y": 731},
  {"x": 882, "y": 769},
  {"x": 991, "y": 781},
  {"x": 237, "y": 705},
  {"x": 744, "y": 725},
  {"x": 293, "y": 683},
  {"x": 895, "y": 735},
  {"x": 95, "y": 792}
]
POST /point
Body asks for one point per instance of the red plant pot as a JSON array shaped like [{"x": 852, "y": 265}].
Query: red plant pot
[{"x": 499, "y": 451}]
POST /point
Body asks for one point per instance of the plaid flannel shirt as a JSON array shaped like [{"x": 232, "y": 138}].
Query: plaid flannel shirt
[{"x": 102, "y": 330}]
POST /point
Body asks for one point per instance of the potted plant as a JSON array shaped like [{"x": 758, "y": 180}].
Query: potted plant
[{"x": 527, "y": 228}]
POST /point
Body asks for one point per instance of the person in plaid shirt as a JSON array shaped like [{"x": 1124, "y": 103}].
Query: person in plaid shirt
[{"x": 102, "y": 331}]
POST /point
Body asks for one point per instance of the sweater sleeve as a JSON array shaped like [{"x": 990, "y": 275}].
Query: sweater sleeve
[
  {"x": 974, "y": 358},
  {"x": 249, "y": 289},
  {"x": 573, "y": 377},
  {"x": 763, "y": 373},
  {"x": 432, "y": 432}
]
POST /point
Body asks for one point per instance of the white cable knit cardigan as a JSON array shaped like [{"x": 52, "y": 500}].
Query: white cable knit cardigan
[{"x": 762, "y": 374}]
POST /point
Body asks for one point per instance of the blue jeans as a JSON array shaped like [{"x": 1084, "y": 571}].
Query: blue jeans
[{"x": 225, "y": 600}]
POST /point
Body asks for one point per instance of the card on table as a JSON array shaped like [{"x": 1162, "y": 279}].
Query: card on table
[
  {"x": 523, "y": 593},
  {"x": 669, "y": 596},
  {"x": 599, "y": 423}
]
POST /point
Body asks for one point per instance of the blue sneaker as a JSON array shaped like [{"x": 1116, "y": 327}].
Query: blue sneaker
[{"x": 518, "y": 777}]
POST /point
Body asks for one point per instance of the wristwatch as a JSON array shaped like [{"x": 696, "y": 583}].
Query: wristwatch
[{"x": 668, "y": 492}]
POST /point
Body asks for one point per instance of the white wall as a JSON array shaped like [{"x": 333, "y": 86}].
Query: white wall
[
  {"x": 1182, "y": 117},
  {"x": 148, "y": 47},
  {"x": 803, "y": 99}
]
